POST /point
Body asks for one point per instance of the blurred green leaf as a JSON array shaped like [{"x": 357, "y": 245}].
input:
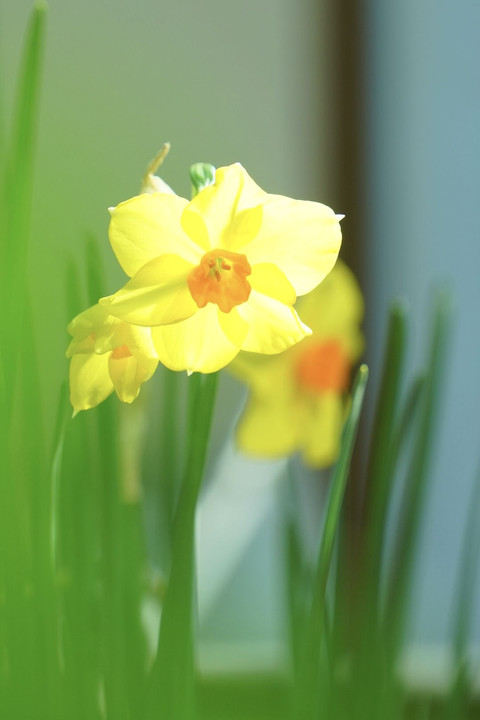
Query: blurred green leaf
[
  {"x": 461, "y": 690},
  {"x": 417, "y": 478},
  {"x": 309, "y": 671},
  {"x": 380, "y": 474},
  {"x": 171, "y": 689}
]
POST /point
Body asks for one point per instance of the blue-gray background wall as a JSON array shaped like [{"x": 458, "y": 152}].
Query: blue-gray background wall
[{"x": 422, "y": 186}]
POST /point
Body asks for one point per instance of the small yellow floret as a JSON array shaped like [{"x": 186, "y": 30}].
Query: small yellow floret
[{"x": 107, "y": 354}]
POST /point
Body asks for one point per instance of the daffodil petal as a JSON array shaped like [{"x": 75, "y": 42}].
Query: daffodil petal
[
  {"x": 234, "y": 326},
  {"x": 157, "y": 294},
  {"x": 303, "y": 238},
  {"x": 95, "y": 330},
  {"x": 272, "y": 326},
  {"x": 341, "y": 295},
  {"x": 266, "y": 375},
  {"x": 90, "y": 381},
  {"x": 251, "y": 194},
  {"x": 195, "y": 227},
  {"x": 109, "y": 335},
  {"x": 322, "y": 429},
  {"x": 198, "y": 344},
  {"x": 268, "y": 279},
  {"x": 139, "y": 341},
  {"x": 85, "y": 346},
  {"x": 218, "y": 204},
  {"x": 147, "y": 226},
  {"x": 268, "y": 429},
  {"x": 82, "y": 325},
  {"x": 244, "y": 228},
  {"x": 128, "y": 375}
]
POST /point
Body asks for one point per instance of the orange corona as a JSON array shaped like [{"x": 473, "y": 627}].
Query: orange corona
[
  {"x": 323, "y": 366},
  {"x": 121, "y": 352},
  {"x": 220, "y": 278}
]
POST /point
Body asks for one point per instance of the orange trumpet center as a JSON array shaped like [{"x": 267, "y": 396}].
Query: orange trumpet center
[
  {"x": 220, "y": 278},
  {"x": 121, "y": 352},
  {"x": 323, "y": 366}
]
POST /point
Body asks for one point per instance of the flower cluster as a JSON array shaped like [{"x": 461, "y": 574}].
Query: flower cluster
[{"x": 209, "y": 278}]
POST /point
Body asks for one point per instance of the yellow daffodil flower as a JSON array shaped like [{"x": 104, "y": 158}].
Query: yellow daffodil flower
[
  {"x": 297, "y": 400},
  {"x": 107, "y": 354},
  {"x": 220, "y": 273}
]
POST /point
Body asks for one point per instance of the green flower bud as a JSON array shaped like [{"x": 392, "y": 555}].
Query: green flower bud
[{"x": 202, "y": 175}]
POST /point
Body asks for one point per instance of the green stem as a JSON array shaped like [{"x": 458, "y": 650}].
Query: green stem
[
  {"x": 307, "y": 682},
  {"x": 170, "y": 444},
  {"x": 172, "y": 683}
]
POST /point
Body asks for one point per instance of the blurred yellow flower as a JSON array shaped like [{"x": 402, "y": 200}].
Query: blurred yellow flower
[
  {"x": 221, "y": 273},
  {"x": 106, "y": 355},
  {"x": 297, "y": 400}
]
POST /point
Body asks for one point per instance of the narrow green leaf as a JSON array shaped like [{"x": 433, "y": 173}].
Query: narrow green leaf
[
  {"x": 308, "y": 680},
  {"x": 29, "y": 644},
  {"x": 2, "y": 131},
  {"x": 468, "y": 573},
  {"x": 461, "y": 690},
  {"x": 374, "y": 687},
  {"x": 17, "y": 196},
  {"x": 18, "y": 185},
  {"x": 407, "y": 421},
  {"x": 337, "y": 490},
  {"x": 380, "y": 475},
  {"x": 296, "y": 575},
  {"x": 416, "y": 486}
]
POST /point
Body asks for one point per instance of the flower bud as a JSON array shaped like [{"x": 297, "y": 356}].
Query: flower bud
[{"x": 201, "y": 175}]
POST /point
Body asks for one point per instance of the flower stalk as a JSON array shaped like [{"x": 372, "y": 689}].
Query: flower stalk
[
  {"x": 173, "y": 672},
  {"x": 309, "y": 665}
]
